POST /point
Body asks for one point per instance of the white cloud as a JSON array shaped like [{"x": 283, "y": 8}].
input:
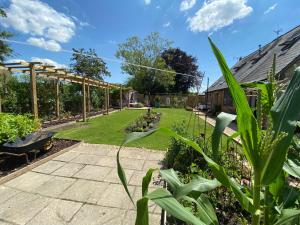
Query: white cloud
[
  {"x": 46, "y": 44},
  {"x": 167, "y": 24},
  {"x": 15, "y": 60},
  {"x": 271, "y": 8},
  {"x": 38, "y": 19},
  {"x": 48, "y": 62},
  {"x": 187, "y": 4},
  {"x": 147, "y": 2},
  {"x": 216, "y": 14}
]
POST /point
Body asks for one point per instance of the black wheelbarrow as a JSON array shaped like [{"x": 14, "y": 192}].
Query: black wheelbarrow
[{"x": 30, "y": 144}]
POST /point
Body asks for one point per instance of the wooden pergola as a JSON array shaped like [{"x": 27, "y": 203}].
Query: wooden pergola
[{"x": 35, "y": 69}]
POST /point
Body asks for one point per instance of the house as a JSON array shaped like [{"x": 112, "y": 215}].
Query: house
[{"x": 255, "y": 67}]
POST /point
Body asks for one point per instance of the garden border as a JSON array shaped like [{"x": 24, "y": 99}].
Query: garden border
[{"x": 36, "y": 164}]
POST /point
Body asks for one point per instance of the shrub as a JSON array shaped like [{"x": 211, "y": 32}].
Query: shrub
[{"x": 14, "y": 126}]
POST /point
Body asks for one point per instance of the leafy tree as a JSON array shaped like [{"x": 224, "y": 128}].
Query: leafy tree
[
  {"x": 87, "y": 63},
  {"x": 182, "y": 63},
  {"x": 5, "y": 50},
  {"x": 146, "y": 52}
]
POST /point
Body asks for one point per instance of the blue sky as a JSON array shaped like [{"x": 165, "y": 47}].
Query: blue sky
[{"x": 237, "y": 26}]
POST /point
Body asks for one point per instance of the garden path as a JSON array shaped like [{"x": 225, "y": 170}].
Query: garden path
[
  {"x": 79, "y": 187},
  {"x": 228, "y": 130}
]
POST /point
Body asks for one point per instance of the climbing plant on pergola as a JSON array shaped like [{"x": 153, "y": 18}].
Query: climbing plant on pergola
[{"x": 34, "y": 69}]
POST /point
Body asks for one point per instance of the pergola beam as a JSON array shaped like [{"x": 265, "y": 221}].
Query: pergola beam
[{"x": 35, "y": 69}]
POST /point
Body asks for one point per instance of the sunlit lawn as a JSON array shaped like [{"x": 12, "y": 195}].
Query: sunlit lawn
[{"x": 110, "y": 129}]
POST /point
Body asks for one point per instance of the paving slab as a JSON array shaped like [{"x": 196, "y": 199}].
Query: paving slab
[
  {"x": 86, "y": 159},
  {"x": 6, "y": 193},
  {"x": 23, "y": 207},
  {"x": 85, "y": 191},
  {"x": 134, "y": 164},
  {"x": 98, "y": 215},
  {"x": 80, "y": 187},
  {"x": 29, "y": 181},
  {"x": 67, "y": 156},
  {"x": 55, "y": 186},
  {"x": 115, "y": 196},
  {"x": 49, "y": 167},
  {"x": 113, "y": 177},
  {"x": 91, "y": 172},
  {"x": 57, "y": 212},
  {"x": 68, "y": 170}
]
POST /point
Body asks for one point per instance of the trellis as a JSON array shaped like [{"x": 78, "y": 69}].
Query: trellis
[{"x": 35, "y": 69}]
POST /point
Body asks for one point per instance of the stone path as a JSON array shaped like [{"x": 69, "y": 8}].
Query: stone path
[
  {"x": 228, "y": 131},
  {"x": 79, "y": 187}
]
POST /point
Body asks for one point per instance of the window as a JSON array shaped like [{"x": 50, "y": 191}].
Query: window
[{"x": 289, "y": 43}]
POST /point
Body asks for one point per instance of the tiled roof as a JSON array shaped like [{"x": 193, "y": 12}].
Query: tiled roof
[{"x": 256, "y": 65}]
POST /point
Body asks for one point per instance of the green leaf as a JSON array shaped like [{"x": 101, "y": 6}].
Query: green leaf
[
  {"x": 198, "y": 184},
  {"x": 277, "y": 185},
  {"x": 218, "y": 171},
  {"x": 289, "y": 196},
  {"x": 122, "y": 175},
  {"x": 247, "y": 124},
  {"x": 146, "y": 181},
  {"x": 171, "y": 177},
  {"x": 205, "y": 210},
  {"x": 292, "y": 168},
  {"x": 289, "y": 217},
  {"x": 222, "y": 121},
  {"x": 166, "y": 201},
  {"x": 133, "y": 136},
  {"x": 142, "y": 214},
  {"x": 284, "y": 115}
]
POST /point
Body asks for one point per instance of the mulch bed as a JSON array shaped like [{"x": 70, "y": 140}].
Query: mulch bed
[
  {"x": 9, "y": 164},
  {"x": 67, "y": 120}
]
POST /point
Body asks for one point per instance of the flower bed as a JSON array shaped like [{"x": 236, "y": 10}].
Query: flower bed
[{"x": 144, "y": 123}]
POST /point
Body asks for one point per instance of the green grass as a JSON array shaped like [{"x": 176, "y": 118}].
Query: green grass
[{"x": 110, "y": 129}]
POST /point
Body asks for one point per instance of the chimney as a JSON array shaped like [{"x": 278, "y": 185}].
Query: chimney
[{"x": 259, "y": 50}]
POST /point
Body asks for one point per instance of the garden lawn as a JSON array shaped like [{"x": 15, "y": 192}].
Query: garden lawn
[{"x": 110, "y": 129}]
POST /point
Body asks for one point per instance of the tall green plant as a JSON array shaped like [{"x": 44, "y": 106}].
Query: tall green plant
[{"x": 265, "y": 150}]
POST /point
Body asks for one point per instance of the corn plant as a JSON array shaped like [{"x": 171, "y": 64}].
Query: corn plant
[{"x": 265, "y": 150}]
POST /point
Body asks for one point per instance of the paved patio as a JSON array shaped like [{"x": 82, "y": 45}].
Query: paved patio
[{"x": 79, "y": 187}]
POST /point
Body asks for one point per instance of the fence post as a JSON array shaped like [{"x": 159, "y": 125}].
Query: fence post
[
  {"x": 57, "y": 99},
  {"x": 34, "y": 104},
  {"x": 83, "y": 100}
]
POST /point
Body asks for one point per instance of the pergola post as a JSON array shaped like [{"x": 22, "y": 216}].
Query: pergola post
[
  {"x": 83, "y": 101},
  {"x": 121, "y": 98},
  {"x": 88, "y": 98},
  {"x": 106, "y": 100},
  {"x": 57, "y": 100},
  {"x": 34, "y": 104}
]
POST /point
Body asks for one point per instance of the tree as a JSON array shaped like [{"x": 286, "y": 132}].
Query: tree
[
  {"x": 182, "y": 63},
  {"x": 139, "y": 55},
  {"x": 5, "y": 50},
  {"x": 87, "y": 63}
]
